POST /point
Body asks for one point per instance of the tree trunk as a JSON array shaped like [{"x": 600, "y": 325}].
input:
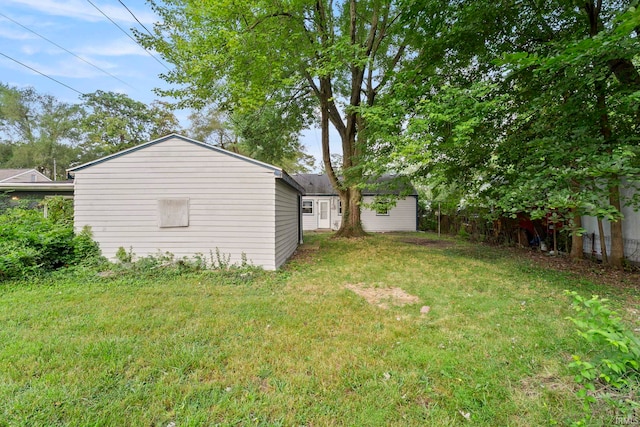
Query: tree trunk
[
  {"x": 603, "y": 242},
  {"x": 616, "y": 257},
  {"x": 350, "y": 194},
  {"x": 577, "y": 242},
  {"x": 351, "y": 225}
]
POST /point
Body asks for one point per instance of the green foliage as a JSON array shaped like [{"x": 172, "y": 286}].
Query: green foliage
[
  {"x": 463, "y": 233},
  {"x": 59, "y": 209},
  {"x": 86, "y": 251},
  {"x": 37, "y": 131},
  {"x": 17, "y": 260},
  {"x": 212, "y": 126},
  {"x": 275, "y": 66},
  {"x": 612, "y": 372},
  {"x": 522, "y": 107},
  {"x": 31, "y": 243},
  {"x": 165, "y": 264},
  {"x": 123, "y": 256},
  {"x": 271, "y": 134},
  {"x": 113, "y": 122}
]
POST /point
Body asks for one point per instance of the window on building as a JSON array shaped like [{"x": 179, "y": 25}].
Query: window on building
[
  {"x": 339, "y": 207},
  {"x": 381, "y": 207},
  {"x": 307, "y": 207}
]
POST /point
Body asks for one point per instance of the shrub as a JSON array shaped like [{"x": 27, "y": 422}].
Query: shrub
[
  {"x": 85, "y": 250},
  {"x": 31, "y": 243},
  {"x": 59, "y": 209},
  {"x": 123, "y": 256},
  {"x": 612, "y": 373},
  {"x": 17, "y": 260}
]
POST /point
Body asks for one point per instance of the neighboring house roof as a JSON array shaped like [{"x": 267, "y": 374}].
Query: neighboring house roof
[
  {"x": 278, "y": 172},
  {"x": 319, "y": 185},
  {"x": 21, "y": 175}
]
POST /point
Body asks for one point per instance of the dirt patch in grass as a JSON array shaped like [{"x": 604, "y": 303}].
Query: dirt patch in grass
[
  {"x": 588, "y": 269},
  {"x": 421, "y": 241},
  {"x": 306, "y": 252},
  {"x": 536, "y": 386},
  {"x": 383, "y": 297}
]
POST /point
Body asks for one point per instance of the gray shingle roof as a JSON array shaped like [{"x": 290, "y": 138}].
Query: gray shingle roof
[
  {"x": 8, "y": 173},
  {"x": 319, "y": 185}
]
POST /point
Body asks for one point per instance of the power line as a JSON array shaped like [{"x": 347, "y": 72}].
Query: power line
[
  {"x": 127, "y": 34},
  {"x": 66, "y": 50},
  {"x": 135, "y": 17},
  {"x": 41, "y": 73}
]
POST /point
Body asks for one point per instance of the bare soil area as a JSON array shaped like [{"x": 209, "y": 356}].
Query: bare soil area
[
  {"x": 420, "y": 241},
  {"x": 383, "y": 297},
  {"x": 588, "y": 269}
]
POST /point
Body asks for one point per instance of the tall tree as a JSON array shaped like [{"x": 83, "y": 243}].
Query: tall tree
[
  {"x": 38, "y": 131},
  {"x": 244, "y": 54},
  {"x": 534, "y": 113},
  {"x": 249, "y": 134},
  {"x": 213, "y": 127},
  {"x": 272, "y": 134},
  {"x": 579, "y": 87},
  {"x": 114, "y": 122}
]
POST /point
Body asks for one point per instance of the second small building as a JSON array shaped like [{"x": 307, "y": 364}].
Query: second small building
[{"x": 322, "y": 210}]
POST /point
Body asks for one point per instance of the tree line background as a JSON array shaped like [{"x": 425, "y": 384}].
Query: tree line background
[
  {"x": 39, "y": 131},
  {"x": 509, "y": 107}
]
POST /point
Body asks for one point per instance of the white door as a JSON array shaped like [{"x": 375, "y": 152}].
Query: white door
[{"x": 324, "y": 219}]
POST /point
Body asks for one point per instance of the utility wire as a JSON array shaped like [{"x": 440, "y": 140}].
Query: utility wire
[
  {"x": 66, "y": 50},
  {"x": 41, "y": 73},
  {"x": 135, "y": 17},
  {"x": 127, "y": 34}
]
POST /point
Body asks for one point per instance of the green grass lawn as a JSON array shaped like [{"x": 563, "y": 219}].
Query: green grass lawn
[{"x": 295, "y": 347}]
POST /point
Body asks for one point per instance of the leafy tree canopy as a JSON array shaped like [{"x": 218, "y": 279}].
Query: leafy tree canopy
[
  {"x": 301, "y": 57},
  {"x": 37, "y": 131},
  {"x": 114, "y": 122}
]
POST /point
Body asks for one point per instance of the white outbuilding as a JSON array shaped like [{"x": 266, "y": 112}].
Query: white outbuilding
[
  {"x": 182, "y": 196},
  {"x": 322, "y": 209}
]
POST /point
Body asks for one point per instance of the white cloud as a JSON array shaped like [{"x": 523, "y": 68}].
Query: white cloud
[
  {"x": 82, "y": 10},
  {"x": 30, "y": 50},
  {"x": 118, "y": 47},
  {"x": 10, "y": 34},
  {"x": 68, "y": 69}
]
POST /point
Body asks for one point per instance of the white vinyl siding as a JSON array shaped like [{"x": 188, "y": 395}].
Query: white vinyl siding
[
  {"x": 231, "y": 203},
  {"x": 286, "y": 222},
  {"x": 630, "y": 230},
  {"x": 311, "y": 221},
  {"x": 401, "y": 217}
]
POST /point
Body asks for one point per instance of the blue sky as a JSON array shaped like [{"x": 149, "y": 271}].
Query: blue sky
[
  {"x": 117, "y": 63},
  {"x": 80, "y": 28}
]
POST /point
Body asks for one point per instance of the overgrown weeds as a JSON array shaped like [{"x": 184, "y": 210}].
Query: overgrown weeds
[
  {"x": 166, "y": 264},
  {"x": 32, "y": 244},
  {"x": 610, "y": 377}
]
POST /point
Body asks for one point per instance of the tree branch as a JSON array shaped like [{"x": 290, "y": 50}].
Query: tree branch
[{"x": 264, "y": 18}]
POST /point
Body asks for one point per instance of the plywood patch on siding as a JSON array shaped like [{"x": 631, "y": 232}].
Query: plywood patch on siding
[
  {"x": 173, "y": 213},
  {"x": 383, "y": 297}
]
